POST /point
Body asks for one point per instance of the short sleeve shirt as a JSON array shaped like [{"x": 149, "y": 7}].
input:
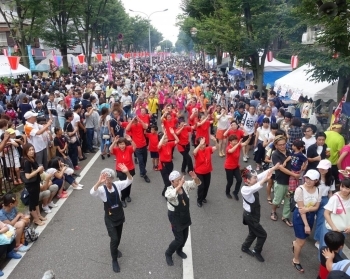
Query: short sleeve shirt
[{"x": 4, "y": 215}]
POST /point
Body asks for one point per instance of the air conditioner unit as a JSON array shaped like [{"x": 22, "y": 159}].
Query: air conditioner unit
[{"x": 309, "y": 37}]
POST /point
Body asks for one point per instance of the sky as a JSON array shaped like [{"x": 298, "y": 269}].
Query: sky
[{"x": 164, "y": 22}]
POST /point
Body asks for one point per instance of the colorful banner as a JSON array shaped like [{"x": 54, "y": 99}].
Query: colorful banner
[
  {"x": 30, "y": 57},
  {"x": 72, "y": 62},
  {"x": 81, "y": 58},
  {"x": 9, "y": 51},
  {"x": 13, "y": 61},
  {"x": 57, "y": 60}
]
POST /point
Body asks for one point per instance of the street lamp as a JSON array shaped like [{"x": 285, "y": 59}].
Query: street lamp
[{"x": 149, "y": 30}]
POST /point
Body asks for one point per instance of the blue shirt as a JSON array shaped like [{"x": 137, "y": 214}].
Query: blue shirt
[
  {"x": 4, "y": 215},
  {"x": 297, "y": 160},
  {"x": 341, "y": 265}
]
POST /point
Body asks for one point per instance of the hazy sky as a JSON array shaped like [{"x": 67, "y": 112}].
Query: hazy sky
[{"x": 165, "y": 21}]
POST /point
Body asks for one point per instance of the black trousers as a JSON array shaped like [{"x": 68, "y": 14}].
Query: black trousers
[
  {"x": 115, "y": 233},
  {"x": 335, "y": 174},
  {"x": 141, "y": 154},
  {"x": 179, "y": 242},
  {"x": 202, "y": 191},
  {"x": 230, "y": 174},
  {"x": 167, "y": 168},
  {"x": 255, "y": 231},
  {"x": 127, "y": 190},
  {"x": 186, "y": 160}
]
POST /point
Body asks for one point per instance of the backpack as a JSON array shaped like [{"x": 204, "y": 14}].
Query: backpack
[
  {"x": 278, "y": 103},
  {"x": 12, "y": 114}
]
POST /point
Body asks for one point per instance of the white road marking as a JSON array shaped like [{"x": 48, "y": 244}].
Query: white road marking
[
  {"x": 13, "y": 263},
  {"x": 187, "y": 264}
]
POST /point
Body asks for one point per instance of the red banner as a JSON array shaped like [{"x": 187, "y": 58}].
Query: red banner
[
  {"x": 13, "y": 61},
  {"x": 81, "y": 58},
  {"x": 113, "y": 55},
  {"x": 99, "y": 57}
]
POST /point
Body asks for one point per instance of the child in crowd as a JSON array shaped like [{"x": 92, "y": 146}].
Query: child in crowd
[
  {"x": 335, "y": 242},
  {"x": 153, "y": 146}
]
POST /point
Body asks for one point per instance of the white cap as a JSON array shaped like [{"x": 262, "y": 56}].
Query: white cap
[
  {"x": 93, "y": 81},
  {"x": 312, "y": 174},
  {"x": 324, "y": 164},
  {"x": 59, "y": 100},
  {"x": 30, "y": 114},
  {"x": 173, "y": 175},
  {"x": 98, "y": 87},
  {"x": 57, "y": 92}
]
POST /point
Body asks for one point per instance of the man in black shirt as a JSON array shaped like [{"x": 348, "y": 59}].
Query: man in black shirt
[
  {"x": 282, "y": 180},
  {"x": 116, "y": 128}
]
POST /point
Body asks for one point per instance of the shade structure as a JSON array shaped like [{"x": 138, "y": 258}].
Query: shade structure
[
  {"x": 49, "y": 57},
  {"x": 6, "y": 71}
]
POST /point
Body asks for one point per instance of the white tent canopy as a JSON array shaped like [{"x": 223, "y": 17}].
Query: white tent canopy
[
  {"x": 298, "y": 82},
  {"x": 5, "y": 69},
  {"x": 276, "y": 66},
  {"x": 50, "y": 57}
]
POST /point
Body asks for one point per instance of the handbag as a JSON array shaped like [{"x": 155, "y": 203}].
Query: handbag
[
  {"x": 30, "y": 234},
  {"x": 105, "y": 133},
  {"x": 25, "y": 179},
  {"x": 9, "y": 236},
  {"x": 340, "y": 219},
  {"x": 25, "y": 197}
]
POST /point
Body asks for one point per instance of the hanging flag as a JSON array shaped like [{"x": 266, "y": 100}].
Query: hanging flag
[
  {"x": 113, "y": 55},
  {"x": 99, "y": 57},
  {"x": 13, "y": 61},
  {"x": 72, "y": 62},
  {"x": 57, "y": 60},
  {"x": 337, "y": 112},
  {"x": 81, "y": 58},
  {"x": 43, "y": 54},
  {"x": 5, "y": 52},
  {"x": 109, "y": 68},
  {"x": 30, "y": 57},
  {"x": 9, "y": 51}
]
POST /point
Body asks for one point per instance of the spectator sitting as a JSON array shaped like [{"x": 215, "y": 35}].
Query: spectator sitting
[
  {"x": 10, "y": 215},
  {"x": 47, "y": 191},
  {"x": 335, "y": 242}
]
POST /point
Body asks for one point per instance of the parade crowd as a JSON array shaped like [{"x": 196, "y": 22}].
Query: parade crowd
[{"x": 174, "y": 106}]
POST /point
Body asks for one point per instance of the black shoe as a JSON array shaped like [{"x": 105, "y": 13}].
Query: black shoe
[
  {"x": 116, "y": 267},
  {"x": 92, "y": 151},
  {"x": 236, "y": 196},
  {"x": 145, "y": 177},
  {"x": 181, "y": 254},
  {"x": 103, "y": 157},
  {"x": 119, "y": 254},
  {"x": 82, "y": 159},
  {"x": 199, "y": 204},
  {"x": 258, "y": 256},
  {"x": 229, "y": 196},
  {"x": 248, "y": 251},
  {"x": 128, "y": 199},
  {"x": 124, "y": 204},
  {"x": 169, "y": 260},
  {"x": 108, "y": 155},
  {"x": 204, "y": 201},
  {"x": 135, "y": 160}
]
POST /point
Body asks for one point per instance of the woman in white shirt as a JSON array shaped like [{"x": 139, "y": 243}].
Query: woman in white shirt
[
  {"x": 251, "y": 214},
  {"x": 60, "y": 112},
  {"x": 223, "y": 123},
  {"x": 262, "y": 134},
  {"x": 337, "y": 212},
  {"x": 307, "y": 198},
  {"x": 327, "y": 185}
]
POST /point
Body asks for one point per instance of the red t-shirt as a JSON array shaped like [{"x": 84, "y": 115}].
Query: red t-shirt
[
  {"x": 239, "y": 133},
  {"x": 189, "y": 109},
  {"x": 202, "y": 163},
  {"x": 166, "y": 152},
  {"x": 153, "y": 142},
  {"x": 170, "y": 124},
  {"x": 124, "y": 157},
  {"x": 203, "y": 131},
  {"x": 137, "y": 134},
  {"x": 192, "y": 122},
  {"x": 232, "y": 159},
  {"x": 183, "y": 138},
  {"x": 145, "y": 118},
  {"x": 124, "y": 124}
]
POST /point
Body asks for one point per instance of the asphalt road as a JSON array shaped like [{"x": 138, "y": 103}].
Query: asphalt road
[{"x": 75, "y": 243}]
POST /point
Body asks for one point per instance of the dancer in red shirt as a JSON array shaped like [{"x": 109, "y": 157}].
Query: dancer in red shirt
[
  {"x": 203, "y": 126},
  {"x": 203, "y": 168},
  {"x": 123, "y": 153},
  {"x": 234, "y": 130},
  {"x": 233, "y": 152},
  {"x": 166, "y": 165},
  {"x": 153, "y": 146},
  {"x": 183, "y": 146}
]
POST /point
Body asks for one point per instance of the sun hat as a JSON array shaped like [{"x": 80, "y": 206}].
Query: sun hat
[
  {"x": 312, "y": 174},
  {"x": 324, "y": 164}
]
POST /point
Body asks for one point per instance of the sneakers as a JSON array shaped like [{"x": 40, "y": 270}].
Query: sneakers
[
  {"x": 116, "y": 267},
  {"x": 248, "y": 251},
  {"x": 77, "y": 168},
  {"x": 258, "y": 256},
  {"x": 128, "y": 199},
  {"x": 317, "y": 245},
  {"x": 81, "y": 185},
  {"x": 77, "y": 187},
  {"x": 245, "y": 159},
  {"x": 22, "y": 248},
  {"x": 46, "y": 209},
  {"x": 124, "y": 204},
  {"x": 51, "y": 204},
  {"x": 169, "y": 260},
  {"x": 145, "y": 177},
  {"x": 63, "y": 196},
  {"x": 13, "y": 255}
]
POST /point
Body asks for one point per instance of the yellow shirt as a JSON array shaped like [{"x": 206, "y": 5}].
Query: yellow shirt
[
  {"x": 335, "y": 142},
  {"x": 153, "y": 105},
  {"x": 108, "y": 91}
]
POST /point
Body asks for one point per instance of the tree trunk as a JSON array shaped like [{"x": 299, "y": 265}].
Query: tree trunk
[
  {"x": 218, "y": 56},
  {"x": 64, "y": 53}
]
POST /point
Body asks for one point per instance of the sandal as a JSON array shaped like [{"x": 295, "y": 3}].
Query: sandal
[
  {"x": 274, "y": 216},
  {"x": 287, "y": 222},
  {"x": 39, "y": 224},
  {"x": 298, "y": 266},
  {"x": 269, "y": 201},
  {"x": 42, "y": 218}
]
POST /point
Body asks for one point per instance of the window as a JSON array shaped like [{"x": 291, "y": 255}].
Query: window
[{"x": 3, "y": 39}]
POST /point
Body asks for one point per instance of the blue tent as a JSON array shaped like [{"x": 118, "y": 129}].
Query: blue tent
[{"x": 274, "y": 70}]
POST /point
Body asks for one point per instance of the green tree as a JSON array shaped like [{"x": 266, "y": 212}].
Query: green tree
[
  {"x": 330, "y": 53},
  {"x": 166, "y": 45}
]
